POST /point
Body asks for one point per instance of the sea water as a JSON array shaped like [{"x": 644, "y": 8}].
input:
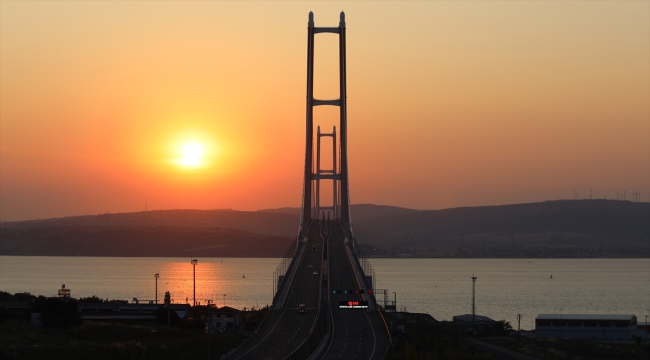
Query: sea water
[{"x": 441, "y": 287}]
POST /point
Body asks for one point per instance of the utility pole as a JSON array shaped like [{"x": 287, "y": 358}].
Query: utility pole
[
  {"x": 395, "y": 312},
  {"x": 194, "y": 262},
  {"x": 518, "y": 322},
  {"x": 473, "y": 304},
  {"x": 156, "y": 276}
]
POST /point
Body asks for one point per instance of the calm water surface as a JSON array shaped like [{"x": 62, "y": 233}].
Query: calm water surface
[{"x": 440, "y": 287}]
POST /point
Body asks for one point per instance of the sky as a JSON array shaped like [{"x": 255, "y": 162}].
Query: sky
[{"x": 121, "y": 106}]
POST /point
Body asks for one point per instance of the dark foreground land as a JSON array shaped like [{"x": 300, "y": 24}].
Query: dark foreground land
[
  {"x": 442, "y": 340},
  {"x": 65, "y": 334},
  {"x": 420, "y": 340},
  {"x": 101, "y": 340},
  {"x": 570, "y": 348}
]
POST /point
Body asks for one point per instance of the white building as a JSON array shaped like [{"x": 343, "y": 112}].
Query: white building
[
  {"x": 225, "y": 317},
  {"x": 597, "y": 327}
]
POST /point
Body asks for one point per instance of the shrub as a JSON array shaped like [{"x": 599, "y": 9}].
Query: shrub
[
  {"x": 163, "y": 316},
  {"x": 56, "y": 312}
]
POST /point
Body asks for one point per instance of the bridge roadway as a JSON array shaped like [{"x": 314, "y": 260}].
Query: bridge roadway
[
  {"x": 355, "y": 333},
  {"x": 283, "y": 330}
]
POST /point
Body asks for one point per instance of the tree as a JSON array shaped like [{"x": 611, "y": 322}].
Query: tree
[
  {"x": 56, "y": 312},
  {"x": 163, "y": 315},
  {"x": 501, "y": 328},
  {"x": 91, "y": 299}
]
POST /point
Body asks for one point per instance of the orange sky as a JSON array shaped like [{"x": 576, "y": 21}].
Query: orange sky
[{"x": 450, "y": 103}]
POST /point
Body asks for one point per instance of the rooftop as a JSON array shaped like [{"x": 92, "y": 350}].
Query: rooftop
[
  {"x": 468, "y": 318},
  {"x": 584, "y": 317}
]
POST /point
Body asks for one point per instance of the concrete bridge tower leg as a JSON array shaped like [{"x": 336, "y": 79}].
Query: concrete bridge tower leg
[{"x": 311, "y": 206}]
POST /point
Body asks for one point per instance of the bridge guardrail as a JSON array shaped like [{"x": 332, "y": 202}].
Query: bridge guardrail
[
  {"x": 374, "y": 300},
  {"x": 358, "y": 272},
  {"x": 280, "y": 297}
]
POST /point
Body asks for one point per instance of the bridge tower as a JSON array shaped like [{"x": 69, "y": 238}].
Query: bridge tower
[{"x": 311, "y": 208}]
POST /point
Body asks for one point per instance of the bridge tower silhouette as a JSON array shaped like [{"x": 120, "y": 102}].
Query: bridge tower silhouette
[
  {"x": 322, "y": 278},
  {"x": 311, "y": 195}
]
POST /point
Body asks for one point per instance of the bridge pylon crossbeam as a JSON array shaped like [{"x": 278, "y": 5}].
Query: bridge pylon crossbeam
[{"x": 338, "y": 174}]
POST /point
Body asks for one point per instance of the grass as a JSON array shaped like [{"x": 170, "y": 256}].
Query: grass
[
  {"x": 100, "y": 340},
  {"x": 574, "y": 349}
]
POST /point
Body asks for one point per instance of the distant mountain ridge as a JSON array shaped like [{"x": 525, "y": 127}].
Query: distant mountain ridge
[{"x": 565, "y": 228}]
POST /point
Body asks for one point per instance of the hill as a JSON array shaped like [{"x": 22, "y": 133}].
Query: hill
[
  {"x": 271, "y": 223},
  {"x": 164, "y": 241},
  {"x": 585, "y": 228}
]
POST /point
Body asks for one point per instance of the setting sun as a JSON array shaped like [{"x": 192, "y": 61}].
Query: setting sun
[{"x": 191, "y": 154}]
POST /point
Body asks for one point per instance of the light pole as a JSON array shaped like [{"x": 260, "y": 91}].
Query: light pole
[
  {"x": 157, "y": 276},
  {"x": 473, "y": 304},
  {"x": 395, "y": 312},
  {"x": 194, "y": 262},
  {"x": 224, "y": 299}
]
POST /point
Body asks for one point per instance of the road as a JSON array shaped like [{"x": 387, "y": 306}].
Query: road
[
  {"x": 283, "y": 330},
  {"x": 355, "y": 333}
]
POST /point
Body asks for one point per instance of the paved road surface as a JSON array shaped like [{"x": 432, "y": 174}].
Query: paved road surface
[
  {"x": 356, "y": 333},
  {"x": 284, "y": 330}
]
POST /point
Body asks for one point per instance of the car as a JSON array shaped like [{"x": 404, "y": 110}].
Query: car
[
  {"x": 301, "y": 309},
  {"x": 311, "y": 267},
  {"x": 315, "y": 272}
]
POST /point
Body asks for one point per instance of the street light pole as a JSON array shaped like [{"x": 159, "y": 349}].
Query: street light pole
[
  {"x": 156, "y": 276},
  {"x": 473, "y": 304},
  {"x": 194, "y": 262},
  {"x": 395, "y": 313}
]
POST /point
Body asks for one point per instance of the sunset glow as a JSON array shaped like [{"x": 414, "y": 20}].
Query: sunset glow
[{"x": 106, "y": 105}]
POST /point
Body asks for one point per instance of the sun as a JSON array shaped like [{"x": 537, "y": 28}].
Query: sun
[{"x": 191, "y": 154}]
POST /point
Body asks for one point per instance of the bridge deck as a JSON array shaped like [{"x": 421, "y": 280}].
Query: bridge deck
[
  {"x": 355, "y": 333},
  {"x": 283, "y": 330}
]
